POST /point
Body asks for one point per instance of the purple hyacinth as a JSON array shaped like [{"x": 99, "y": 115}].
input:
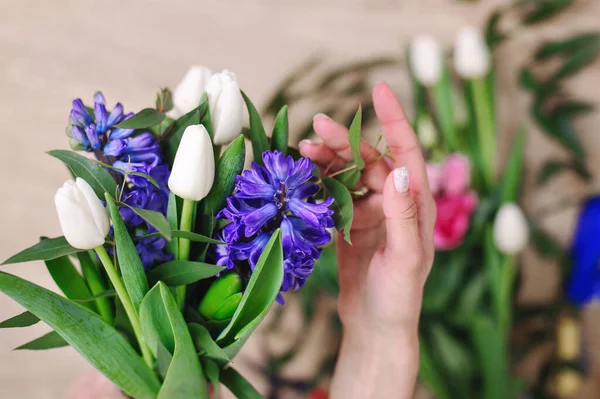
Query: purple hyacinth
[
  {"x": 277, "y": 195},
  {"x": 94, "y": 130}
]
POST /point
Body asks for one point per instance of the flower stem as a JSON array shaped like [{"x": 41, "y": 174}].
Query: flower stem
[
  {"x": 485, "y": 128},
  {"x": 116, "y": 281},
  {"x": 507, "y": 276},
  {"x": 339, "y": 172},
  {"x": 97, "y": 286},
  {"x": 187, "y": 219}
]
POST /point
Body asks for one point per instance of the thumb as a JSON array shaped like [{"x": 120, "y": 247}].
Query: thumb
[{"x": 401, "y": 214}]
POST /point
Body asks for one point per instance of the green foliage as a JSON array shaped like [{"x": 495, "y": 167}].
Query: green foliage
[
  {"x": 99, "y": 343},
  {"x": 238, "y": 385},
  {"x": 182, "y": 272},
  {"x": 47, "y": 249},
  {"x": 164, "y": 100},
  {"x": 155, "y": 219},
  {"x": 132, "y": 270},
  {"x": 24, "y": 319},
  {"x": 172, "y": 135},
  {"x": 146, "y": 118},
  {"x": 68, "y": 279},
  {"x": 260, "y": 142},
  {"x": 279, "y": 138},
  {"x": 351, "y": 176},
  {"x": 51, "y": 340},
  {"x": 89, "y": 170},
  {"x": 343, "y": 206}
]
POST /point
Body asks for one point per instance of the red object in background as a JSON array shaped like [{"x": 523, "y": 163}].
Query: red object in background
[{"x": 318, "y": 393}]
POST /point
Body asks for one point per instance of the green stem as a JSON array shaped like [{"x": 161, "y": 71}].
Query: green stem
[
  {"x": 123, "y": 295},
  {"x": 485, "y": 127},
  {"x": 507, "y": 279},
  {"x": 187, "y": 219},
  {"x": 97, "y": 286},
  {"x": 444, "y": 111}
]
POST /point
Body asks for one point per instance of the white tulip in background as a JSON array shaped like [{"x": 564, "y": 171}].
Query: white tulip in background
[
  {"x": 426, "y": 60},
  {"x": 193, "y": 171},
  {"x": 511, "y": 230},
  {"x": 226, "y": 107},
  {"x": 83, "y": 219},
  {"x": 471, "y": 54},
  {"x": 189, "y": 91},
  {"x": 427, "y": 133}
]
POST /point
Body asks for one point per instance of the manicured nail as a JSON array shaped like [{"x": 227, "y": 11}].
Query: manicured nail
[
  {"x": 320, "y": 115},
  {"x": 401, "y": 180},
  {"x": 307, "y": 141}
]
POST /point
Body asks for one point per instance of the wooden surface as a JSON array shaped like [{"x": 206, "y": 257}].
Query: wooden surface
[{"x": 54, "y": 51}]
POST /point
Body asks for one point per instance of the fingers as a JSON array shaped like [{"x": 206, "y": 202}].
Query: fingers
[
  {"x": 335, "y": 136},
  {"x": 401, "y": 219},
  {"x": 404, "y": 147},
  {"x": 322, "y": 155}
]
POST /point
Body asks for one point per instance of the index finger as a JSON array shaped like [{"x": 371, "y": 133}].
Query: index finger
[{"x": 404, "y": 147}]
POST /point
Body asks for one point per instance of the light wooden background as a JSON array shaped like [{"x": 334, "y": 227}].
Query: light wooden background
[{"x": 54, "y": 51}]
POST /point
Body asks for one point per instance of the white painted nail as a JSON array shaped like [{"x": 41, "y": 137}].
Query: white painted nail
[
  {"x": 321, "y": 115},
  {"x": 401, "y": 180},
  {"x": 307, "y": 141}
]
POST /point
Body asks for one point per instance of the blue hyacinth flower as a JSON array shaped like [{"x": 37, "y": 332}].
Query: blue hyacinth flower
[
  {"x": 277, "y": 195},
  {"x": 583, "y": 285}
]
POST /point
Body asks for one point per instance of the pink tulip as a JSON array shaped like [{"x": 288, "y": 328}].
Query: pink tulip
[
  {"x": 456, "y": 174},
  {"x": 453, "y": 218},
  {"x": 449, "y": 183}
]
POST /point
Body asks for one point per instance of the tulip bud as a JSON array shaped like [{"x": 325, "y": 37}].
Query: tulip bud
[
  {"x": 427, "y": 133},
  {"x": 83, "y": 219},
  {"x": 226, "y": 107},
  {"x": 188, "y": 93},
  {"x": 471, "y": 54},
  {"x": 222, "y": 298},
  {"x": 426, "y": 60},
  {"x": 193, "y": 171},
  {"x": 511, "y": 231}
]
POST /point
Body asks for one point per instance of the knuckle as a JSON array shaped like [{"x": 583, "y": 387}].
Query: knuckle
[{"x": 409, "y": 212}]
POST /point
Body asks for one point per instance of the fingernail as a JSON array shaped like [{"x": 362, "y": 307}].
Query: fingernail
[
  {"x": 307, "y": 141},
  {"x": 401, "y": 180},
  {"x": 321, "y": 115}
]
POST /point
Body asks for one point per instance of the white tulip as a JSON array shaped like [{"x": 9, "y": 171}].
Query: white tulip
[
  {"x": 426, "y": 60},
  {"x": 193, "y": 171},
  {"x": 427, "y": 133},
  {"x": 511, "y": 230},
  {"x": 188, "y": 93},
  {"x": 226, "y": 107},
  {"x": 83, "y": 219},
  {"x": 471, "y": 54}
]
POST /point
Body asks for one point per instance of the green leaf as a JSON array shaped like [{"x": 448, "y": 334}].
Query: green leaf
[
  {"x": 185, "y": 378},
  {"x": 578, "y": 61},
  {"x": 163, "y": 360},
  {"x": 173, "y": 219},
  {"x": 102, "y": 345},
  {"x": 544, "y": 9},
  {"x": 491, "y": 354},
  {"x": 96, "y": 176},
  {"x": 528, "y": 80},
  {"x": 443, "y": 282},
  {"x": 126, "y": 172},
  {"x": 229, "y": 165},
  {"x": 147, "y": 117},
  {"x": 455, "y": 359},
  {"x": 105, "y": 294},
  {"x": 565, "y": 47},
  {"x": 132, "y": 270},
  {"x": 155, "y": 324},
  {"x": 550, "y": 169},
  {"x": 238, "y": 385},
  {"x": 24, "y": 319},
  {"x": 513, "y": 170},
  {"x": 470, "y": 299},
  {"x": 544, "y": 243},
  {"x": 206, "y": 346},
  {"x": 68, "y": 279},
  {"x": 97, "y": 285},
  {"x": 212, "y": 371},
  {"x": 175, "y": 131},
  {"x": 183, "y": 272},
  {"x": 184, "y": 234},
  {"x": 49, "y": 248},
  {"x": 261, "y": 292},
  {"x": 164, "y": 100},
  {"x": 279, "y": 139},
  {"x": 156, "y": 219},
  {"x": 430, "y": 375},
  {"x": 260, "y": 143},
  {"x": 342, "y": 206},
  {"x": 48, "y": 341},
  {"x": 493, "y": 35},
  {"x": 354, "y": 139}
]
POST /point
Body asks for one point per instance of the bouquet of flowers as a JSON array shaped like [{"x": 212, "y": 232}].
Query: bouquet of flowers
[{"x": 182, "y": 253}]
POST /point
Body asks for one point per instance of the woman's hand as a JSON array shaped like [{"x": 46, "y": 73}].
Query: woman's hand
[{"x": 383, "y": 273}]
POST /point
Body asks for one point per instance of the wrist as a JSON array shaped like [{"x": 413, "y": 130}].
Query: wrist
[{"x": 376, "y": 365}]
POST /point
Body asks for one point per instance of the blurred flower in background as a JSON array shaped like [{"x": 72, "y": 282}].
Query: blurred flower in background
[
  {"x": 449, "y": 182},
  {"x": 583, "y": 285}
]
